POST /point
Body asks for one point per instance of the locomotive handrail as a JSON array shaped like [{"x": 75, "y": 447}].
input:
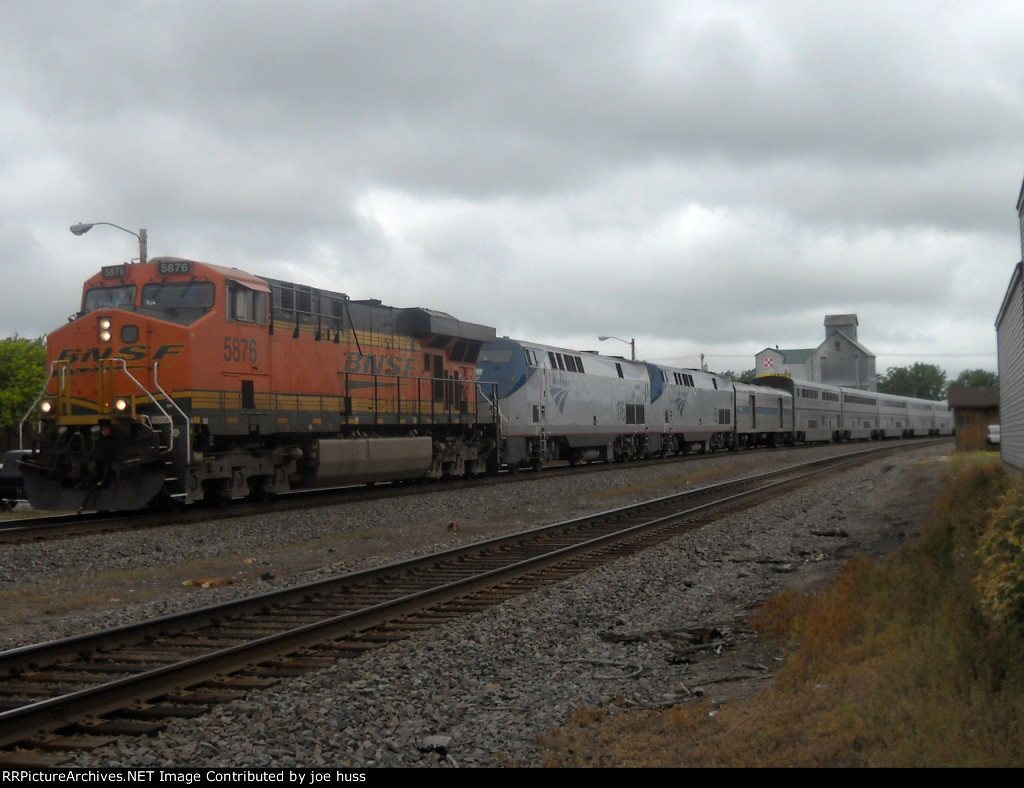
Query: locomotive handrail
[
  {"x": 494, "y": 404},
  {"x": 21, "y": 424},
  {"x": 177, "y": 407},
  {"x": 153, "y": 399},
  {"x": 452, "y": 403}
]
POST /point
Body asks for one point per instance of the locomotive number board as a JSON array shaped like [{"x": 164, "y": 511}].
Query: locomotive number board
[
  {"x": 165, "y": 267},
  {"x": 115, "y": 271}
]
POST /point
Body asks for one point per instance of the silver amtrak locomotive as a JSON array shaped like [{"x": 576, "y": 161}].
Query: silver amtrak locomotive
[{"x": 559, "y": 404}]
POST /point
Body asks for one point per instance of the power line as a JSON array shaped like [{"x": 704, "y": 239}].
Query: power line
[{"x": 939, "y": 355}]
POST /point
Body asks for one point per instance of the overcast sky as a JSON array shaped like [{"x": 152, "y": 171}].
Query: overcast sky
[{"x": 704, "y": 177}]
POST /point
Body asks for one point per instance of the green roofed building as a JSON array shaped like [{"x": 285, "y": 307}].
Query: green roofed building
[{"x": 840, "y": 360}]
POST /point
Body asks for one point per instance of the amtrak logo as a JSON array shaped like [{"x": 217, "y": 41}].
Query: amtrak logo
[
  {"x": 680, "y": 404},
  {"x": 560, "y": 396}
]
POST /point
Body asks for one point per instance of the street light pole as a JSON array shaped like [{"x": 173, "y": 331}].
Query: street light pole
[
  {"x": 631, "y": 342},
  {"x": 83, "y": 227}
]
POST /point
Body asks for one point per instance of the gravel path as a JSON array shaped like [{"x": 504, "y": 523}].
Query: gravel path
[{"x": 655, "y": 629}]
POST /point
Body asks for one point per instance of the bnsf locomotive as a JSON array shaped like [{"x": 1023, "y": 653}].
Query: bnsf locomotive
[{"x": 180, "y": 381}]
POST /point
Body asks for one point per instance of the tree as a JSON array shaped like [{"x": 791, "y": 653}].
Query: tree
[
  {"x": 976, "y": 377},
  {"x": 742, "y": 377},
  {"x": 924, "y": 381},
  {"x": 22, "y": 373}
]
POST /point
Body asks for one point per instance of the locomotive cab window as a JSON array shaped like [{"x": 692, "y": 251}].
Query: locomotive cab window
[
  {"x": 182, "y": 302},
  {"x": 245, "y": 305},
  {"x": 109, "y": 298},
  {"x": 496, "y": 356}
]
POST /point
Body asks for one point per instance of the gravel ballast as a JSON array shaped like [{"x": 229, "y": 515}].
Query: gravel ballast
[{"x": 662, "y": 627}]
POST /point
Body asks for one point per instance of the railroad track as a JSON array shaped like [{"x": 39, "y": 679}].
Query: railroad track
[
  {"x": 68, "y": 524},
  {"x": 78, "y": 692}
]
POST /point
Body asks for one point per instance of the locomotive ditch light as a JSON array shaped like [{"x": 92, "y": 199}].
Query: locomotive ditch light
[
  {"x": 122, "y": 404},
  {"x": 46, "y": 406}
]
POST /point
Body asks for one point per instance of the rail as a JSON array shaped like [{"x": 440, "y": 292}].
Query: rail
[{"x": 248, "y": 632}]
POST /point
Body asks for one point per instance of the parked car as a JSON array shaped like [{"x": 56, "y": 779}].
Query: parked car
[
  {"x": 993, "y": 435},
  {"x": 11, "y": 489}
]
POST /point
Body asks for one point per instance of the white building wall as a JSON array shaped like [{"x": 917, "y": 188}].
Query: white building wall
[
  {"x": 772, "y": 362},
  {"x": 1010, "y": 341}
]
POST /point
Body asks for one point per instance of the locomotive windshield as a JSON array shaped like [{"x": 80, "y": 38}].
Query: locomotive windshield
[
  {"x": 496, "y": 355},
  {"x": 196, "y": 295},
  {"x": 109, "y": 298},
  {"x": 182, "y": 302}
]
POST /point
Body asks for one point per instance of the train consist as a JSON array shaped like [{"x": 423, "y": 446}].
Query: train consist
[
  {"x": 561, "y": 404},
  {"x": 180, "y": 381}
]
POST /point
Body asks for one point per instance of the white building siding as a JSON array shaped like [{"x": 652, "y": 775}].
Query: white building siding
[{"x": 1010, "y": 341}]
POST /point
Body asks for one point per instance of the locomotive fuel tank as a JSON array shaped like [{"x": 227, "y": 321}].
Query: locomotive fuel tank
[{"x": 338, "y": 462}]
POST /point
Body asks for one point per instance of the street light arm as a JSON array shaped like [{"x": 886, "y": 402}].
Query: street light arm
[
  {"x": 83, "y": 227},
  {"x": 630, "y": 342}
]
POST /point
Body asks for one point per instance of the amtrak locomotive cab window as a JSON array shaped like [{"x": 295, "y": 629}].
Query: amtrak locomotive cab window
[
  {"x": 497, "y": 356},
  {"x": 110, "y": 298}
]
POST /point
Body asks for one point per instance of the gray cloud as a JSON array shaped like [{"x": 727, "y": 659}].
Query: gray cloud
[{"x": 709, "y": 176}]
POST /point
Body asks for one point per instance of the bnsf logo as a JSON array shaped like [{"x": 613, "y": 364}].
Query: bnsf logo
[
  {"x": 380, "y": 365},
  {"x": 128, "y": 353}
]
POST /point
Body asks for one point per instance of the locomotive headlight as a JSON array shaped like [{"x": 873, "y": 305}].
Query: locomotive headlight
[{"x": 105, "y": 326}]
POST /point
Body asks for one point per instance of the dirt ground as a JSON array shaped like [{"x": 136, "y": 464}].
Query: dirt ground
[{"x": 871, "y": 513}]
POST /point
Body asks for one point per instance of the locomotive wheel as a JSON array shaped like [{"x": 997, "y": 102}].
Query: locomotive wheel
[
  {"x": 218, "y": 493},
  {"x": 258, "y": 486}
]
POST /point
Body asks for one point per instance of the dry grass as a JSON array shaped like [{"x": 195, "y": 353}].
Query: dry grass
[{"x": 893, "y": 666}]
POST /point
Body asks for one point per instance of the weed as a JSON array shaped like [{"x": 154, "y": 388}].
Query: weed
[{"x": 895, "y": 665}]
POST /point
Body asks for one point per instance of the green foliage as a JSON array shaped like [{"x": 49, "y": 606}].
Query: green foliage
[
  {"x": 976, "y": 377},
  {"x": 1000, "y": 580},
  {"x": 22, "y": 372},
  {"x": 742, "y": 377},
  {"x": 925, "y": 381}
]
